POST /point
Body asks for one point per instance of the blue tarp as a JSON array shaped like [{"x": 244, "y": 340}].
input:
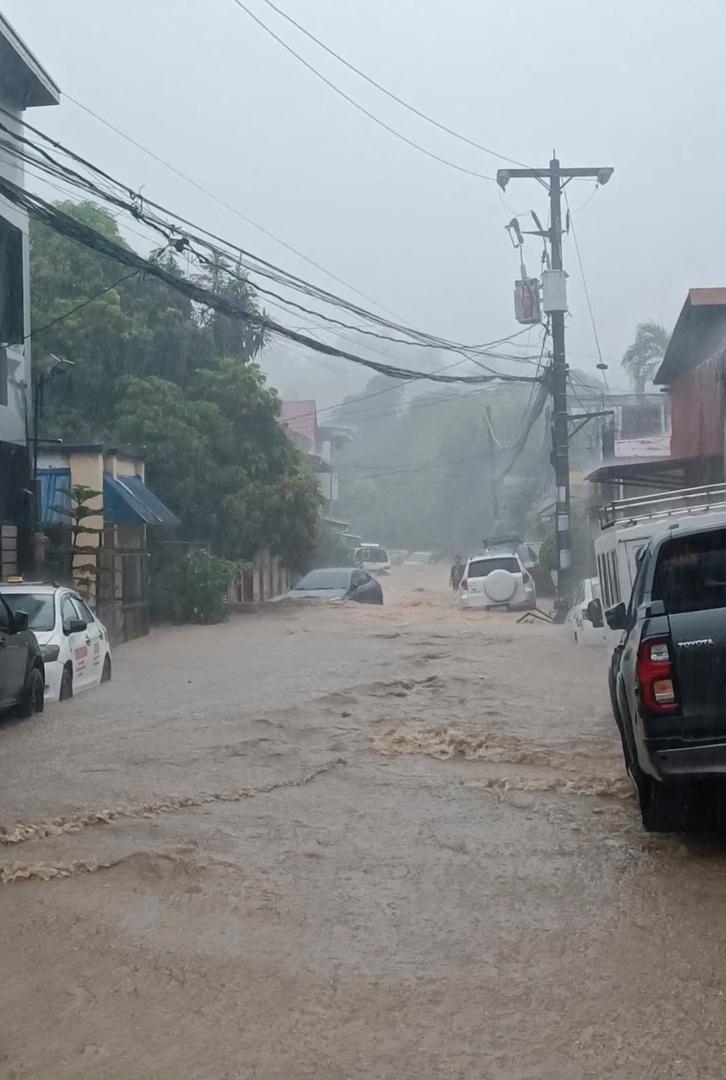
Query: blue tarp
[
  {"x": 55, "y": 496},
  {"x": 127, "y": 500}
]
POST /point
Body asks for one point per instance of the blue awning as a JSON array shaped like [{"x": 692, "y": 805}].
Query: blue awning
[
  {"x": 128, "y": 501},
  {"x": 54, "y": 487}
]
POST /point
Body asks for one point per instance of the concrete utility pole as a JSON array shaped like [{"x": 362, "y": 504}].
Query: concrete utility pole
[{"x": 555, "y": 178}]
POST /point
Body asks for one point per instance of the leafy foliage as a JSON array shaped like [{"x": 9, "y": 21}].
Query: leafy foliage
[
  {"x": 642, "y": 359},
  {"x": 419, "y": 473},
  {"x": 203, "y": 579},
  {"x": 153, "y": 370},
  {"x": 84, "y": 574}
]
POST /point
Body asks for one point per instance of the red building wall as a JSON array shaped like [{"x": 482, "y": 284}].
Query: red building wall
[{"x": 697, "y": 413}]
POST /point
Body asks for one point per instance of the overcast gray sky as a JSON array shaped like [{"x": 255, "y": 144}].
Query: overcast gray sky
[{"x": 637, "y": 84}]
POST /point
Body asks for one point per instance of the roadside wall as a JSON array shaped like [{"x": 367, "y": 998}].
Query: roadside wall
[{"x": 266, "y": 579}]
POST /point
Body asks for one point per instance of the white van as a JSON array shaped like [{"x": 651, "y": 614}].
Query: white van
[
  {"x": 372, "y": 557},
  {"x": 628, "y": 524}
]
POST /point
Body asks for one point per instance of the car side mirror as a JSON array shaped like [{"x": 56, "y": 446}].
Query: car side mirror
[
  {"x": 20, "y": 621},
  {"x": 76, "y": 626},
  {"x": 594, "y": 613},
  {"x": 617, "y": 617}
]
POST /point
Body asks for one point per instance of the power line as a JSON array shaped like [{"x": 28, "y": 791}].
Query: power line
[
  {"x": 424, "y": 340},
  {"x": 595, "y": 334},
  {"x": 420, "y": 468},
  {"x": 234, "y": 307},
  {"x": 356, "y": 104},
  {"x": 389, "y": 93},
  {"x": 136, "y": 206},
  {"x": 222, "y": 202},
  {"x": 387, "y": 390}
]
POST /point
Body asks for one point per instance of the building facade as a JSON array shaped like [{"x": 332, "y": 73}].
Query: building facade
[
  {"x": 321, "y": 443},
  {"x": 108, "y": 558},
  {"x": 24, "y": 85}
]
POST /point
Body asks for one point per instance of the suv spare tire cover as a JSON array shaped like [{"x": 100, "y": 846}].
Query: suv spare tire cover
[{"x": 500, "y": 586}]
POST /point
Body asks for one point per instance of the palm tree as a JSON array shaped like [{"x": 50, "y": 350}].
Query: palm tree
[{"x": 643, "y": 357}]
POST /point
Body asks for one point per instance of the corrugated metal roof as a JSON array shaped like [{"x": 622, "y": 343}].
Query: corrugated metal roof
[{"x": 126, "y": 499}]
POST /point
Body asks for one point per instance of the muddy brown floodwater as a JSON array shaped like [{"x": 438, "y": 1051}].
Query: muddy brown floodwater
[{"x": 346, "y": 842}]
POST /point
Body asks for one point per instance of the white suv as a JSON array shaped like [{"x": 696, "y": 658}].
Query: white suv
[
  {"x": 73, "y": 641},
  {"x": 497, "y": 581}
]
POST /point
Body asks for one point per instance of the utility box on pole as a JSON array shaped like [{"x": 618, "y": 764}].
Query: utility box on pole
[
  {"x": 554, "y": 290},
  {"x": 526, "y": 301}
]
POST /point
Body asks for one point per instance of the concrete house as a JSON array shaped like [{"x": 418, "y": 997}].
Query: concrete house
[{"x": 24, "y": 84}]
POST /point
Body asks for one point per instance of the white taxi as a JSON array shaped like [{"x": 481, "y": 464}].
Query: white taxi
[{"x": 73, "y": 641}]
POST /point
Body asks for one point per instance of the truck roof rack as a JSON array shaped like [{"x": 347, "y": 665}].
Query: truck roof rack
[{"x": 693, "y": 500}]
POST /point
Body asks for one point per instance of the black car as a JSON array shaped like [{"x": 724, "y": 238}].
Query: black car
[
  {"x": 668, "y": 674},
  {"x": 22, "y": 674},
  {"x": 338, "y": 583}
]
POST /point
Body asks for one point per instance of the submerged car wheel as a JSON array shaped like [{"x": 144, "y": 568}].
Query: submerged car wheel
[
  {"x": 667, "y": 807},
  {"x": 106, "y": 673},
  {"x": 34, "y": 697},
  {"x": 66, "y": 686}
]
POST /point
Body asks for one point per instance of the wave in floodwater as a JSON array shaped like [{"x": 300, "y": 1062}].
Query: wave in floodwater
[
  {"x": 447, "y": 743},
  {"x": 154, "y": 863},
  {"x": 617, "y": 787},
  {"x": 84, "y": 819}
]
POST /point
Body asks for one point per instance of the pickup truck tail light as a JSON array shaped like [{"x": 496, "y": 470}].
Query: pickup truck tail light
[
  {"x": 655, "y": 675},
  {"x": 464, "y": 585}
]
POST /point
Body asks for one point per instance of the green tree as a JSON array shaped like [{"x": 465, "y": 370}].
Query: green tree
[
  {"x": 642, "y": 359},
  {"x": 153, "y": 369},
  {"x": 419, "y": 475}
]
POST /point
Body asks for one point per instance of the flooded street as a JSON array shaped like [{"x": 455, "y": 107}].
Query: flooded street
[{"x": 344, "y": 841}]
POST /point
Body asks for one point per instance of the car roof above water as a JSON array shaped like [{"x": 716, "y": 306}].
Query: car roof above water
[
  {"x": 32, "y": 586},
  {"x": 494, "y": 555}
]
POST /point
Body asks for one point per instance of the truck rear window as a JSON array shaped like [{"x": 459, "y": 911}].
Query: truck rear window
[
  {"x": 691, "y": 572},
  {"x": 482, "y": 567}
]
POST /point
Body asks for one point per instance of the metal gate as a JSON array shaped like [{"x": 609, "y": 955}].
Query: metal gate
[{"x": 123, "y": 592}]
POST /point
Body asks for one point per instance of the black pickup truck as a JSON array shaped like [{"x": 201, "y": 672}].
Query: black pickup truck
[{"x": 668, "y": 674}]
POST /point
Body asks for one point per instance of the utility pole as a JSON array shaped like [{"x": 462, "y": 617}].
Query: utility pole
[{"x": 555, "y": 178}]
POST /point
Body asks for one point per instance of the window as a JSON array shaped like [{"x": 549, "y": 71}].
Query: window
[
  {"x": 603, "y": 579},
  {"x": 358, "y": 578},
  {"x": 69, "y": 612},
  {"x": 482, "y": 567},
  {"x": 83, "y": 608},
  {"x": 324, "y": 579},
  {"x": 691, "y": 572},
  {"x": 613, "y": 577},
  {"x": 39, "y": 606},
  {"x": 12, "y": 319}
]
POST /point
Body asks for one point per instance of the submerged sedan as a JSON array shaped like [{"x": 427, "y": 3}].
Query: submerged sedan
[{"x": 338, "y": 583}]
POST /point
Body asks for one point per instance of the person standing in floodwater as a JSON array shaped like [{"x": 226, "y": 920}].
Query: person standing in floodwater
[{"x": 457, "y": 573}]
